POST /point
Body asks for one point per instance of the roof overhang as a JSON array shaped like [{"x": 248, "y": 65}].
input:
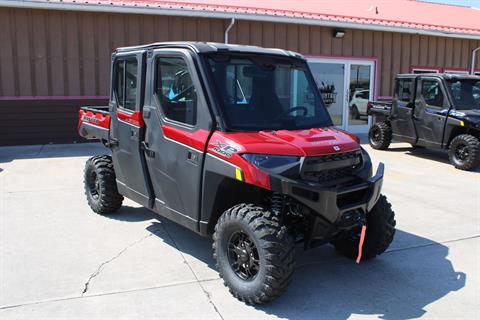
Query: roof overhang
[{"x": 187, "y": 12}]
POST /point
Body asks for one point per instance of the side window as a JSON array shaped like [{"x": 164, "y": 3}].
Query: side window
[
  {"x": 131, "y": 84},
  {"x": 175, "y": 90},
  {"x": 404, "y": 90},
  {"x": 125, "y": 90},
  {"x": 119, "y": 83},
  {"x": 432, "y": 93}
]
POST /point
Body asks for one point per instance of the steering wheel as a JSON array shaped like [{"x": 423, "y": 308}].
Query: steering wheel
[
  {"x": 183, "y": 94},
  {"x": 288, "y": 111}
]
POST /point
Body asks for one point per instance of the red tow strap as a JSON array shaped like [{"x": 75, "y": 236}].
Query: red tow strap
[{"x": 360, "y": 244}]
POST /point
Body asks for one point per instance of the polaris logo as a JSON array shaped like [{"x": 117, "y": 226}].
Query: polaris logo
[
  {"x": 336, "y": 148},
  {"x": 90, "y": 119}
]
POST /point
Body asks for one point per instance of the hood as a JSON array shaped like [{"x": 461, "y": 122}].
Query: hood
[
  {"x": 472, "y": 116},
  {"x": 309, "y": 142}
]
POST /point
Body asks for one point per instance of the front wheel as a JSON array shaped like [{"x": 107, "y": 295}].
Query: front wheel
[
  {"x": 464, "y": 152},
  {"x": 254, "y": 253},
  {"x": 100, "y": 185},
  {"x": 380, "y": 136},
  {"x": 379, "y": 234}
]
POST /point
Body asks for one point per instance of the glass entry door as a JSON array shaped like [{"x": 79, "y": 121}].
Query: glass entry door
[{"x": 346, "y": 87}]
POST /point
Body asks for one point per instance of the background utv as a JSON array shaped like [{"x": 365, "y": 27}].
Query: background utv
[
  {"x": 439, "y": 111},
  {"x": 235, "y": 141}
]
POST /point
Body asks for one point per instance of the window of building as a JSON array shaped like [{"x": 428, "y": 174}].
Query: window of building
[
  {"x": 175, "y": 90},
  {"x": 404, "y": 90},
  {"x": 126, "y": 83},
  {"x": 432, "y": 93}
]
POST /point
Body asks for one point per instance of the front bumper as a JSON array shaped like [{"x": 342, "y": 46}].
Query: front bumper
[{"x": 334, "y": 208}]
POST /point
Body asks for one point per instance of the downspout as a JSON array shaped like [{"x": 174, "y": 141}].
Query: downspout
[
  {"x": 474, "y": 53},
  {"x": 230, "y": 26}
]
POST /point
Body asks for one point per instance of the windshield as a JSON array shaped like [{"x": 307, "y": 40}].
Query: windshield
[
  {"x": 267, "y": 93},
  {"x": 465, "y": 93}
]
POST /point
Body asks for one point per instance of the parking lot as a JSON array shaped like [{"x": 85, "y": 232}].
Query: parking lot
[{"x": 60, "y": 260}]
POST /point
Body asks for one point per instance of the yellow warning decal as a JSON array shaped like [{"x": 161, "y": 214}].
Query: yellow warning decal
[{"x": 238, "y": 174}]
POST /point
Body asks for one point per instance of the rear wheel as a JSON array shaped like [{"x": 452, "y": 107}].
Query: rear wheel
[
  {"x": 379, "y": 234},
  {"x": 464, "y": 152},
  {"x": 100, "y": 185},
  {"x": 380, "y": 136},
  {"x": 254, "y": 253}
]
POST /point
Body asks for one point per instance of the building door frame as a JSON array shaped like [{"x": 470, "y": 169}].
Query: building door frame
[{"x": 347, "y": 63}]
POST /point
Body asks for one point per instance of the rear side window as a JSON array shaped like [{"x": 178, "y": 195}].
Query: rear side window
[
  {"x": 404, "y": 90},
  {"x": 175, "y": 90},
  {"x": 432, "y": 93},
  {"x": 126, "y": 79}
]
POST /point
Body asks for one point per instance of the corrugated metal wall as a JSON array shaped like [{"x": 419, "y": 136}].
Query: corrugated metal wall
[
  {"x": 47, "y": 53},
  {"x": 62, "y": 53},
  {"x": 40, "y": 121}
]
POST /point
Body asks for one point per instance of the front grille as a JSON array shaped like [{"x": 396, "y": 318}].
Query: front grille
[{"x": 331, "y": 167}]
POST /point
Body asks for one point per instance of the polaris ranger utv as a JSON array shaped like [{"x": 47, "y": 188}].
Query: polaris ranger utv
[
  {"x": 440, "y": 111},
  {"x": 235, "y": 141}
]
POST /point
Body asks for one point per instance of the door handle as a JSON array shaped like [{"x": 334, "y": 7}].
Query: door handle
[
  {"x": 146, "y": 113},
  {"x": 191, "y": 156},
  {"x": 133, "y": 134},
  {"x": 149, "y": 152}
]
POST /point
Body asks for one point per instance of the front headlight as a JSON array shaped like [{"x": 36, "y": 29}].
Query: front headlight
[{"x": 267, "y": 161}]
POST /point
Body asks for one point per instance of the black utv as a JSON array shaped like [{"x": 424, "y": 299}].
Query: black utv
[
  {"x": 235, "y": 142},
  {"x": 440, "y": 111}
]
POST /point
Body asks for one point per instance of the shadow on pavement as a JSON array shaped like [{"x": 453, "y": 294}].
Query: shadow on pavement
[
  {"x": 132, "y": 214},
  {"x": 397, "y": 285},
  {"x": 425, "y": 153}
]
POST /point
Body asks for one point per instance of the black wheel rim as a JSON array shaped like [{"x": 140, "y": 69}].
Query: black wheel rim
[
  {"x": 375, "y": 135},
  {"x": 243, "y": 256},
  {"x": 93, "y": 185},
  {"x": 461, "y": 152}
]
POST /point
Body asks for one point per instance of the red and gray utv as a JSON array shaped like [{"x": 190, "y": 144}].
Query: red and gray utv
[{"x": 235, "y": 142}]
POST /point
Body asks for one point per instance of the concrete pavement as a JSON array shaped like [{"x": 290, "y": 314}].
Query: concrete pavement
[{"x": 59, "y": 260}]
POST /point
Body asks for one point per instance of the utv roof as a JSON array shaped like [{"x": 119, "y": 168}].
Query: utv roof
[
  {"x": 207, "y": 47},
  {"x": 446, "y": 76}
]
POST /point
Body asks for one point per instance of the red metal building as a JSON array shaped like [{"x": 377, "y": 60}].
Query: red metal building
[{"x": 55, "y": 54}]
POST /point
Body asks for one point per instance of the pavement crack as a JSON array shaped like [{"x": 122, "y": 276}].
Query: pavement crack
[
  {"x": 199, "y": 282},
  {"x": 103, "y": 264}
]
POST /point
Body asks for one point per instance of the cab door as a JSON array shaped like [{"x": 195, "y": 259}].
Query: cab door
[
  {"x": 402, "y": 111},
  {"x": 178, "y": 125},
  {"x": 128, "y": 128},
  {"x": 431, "y": 110}
]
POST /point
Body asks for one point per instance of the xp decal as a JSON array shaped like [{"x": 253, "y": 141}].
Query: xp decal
[{"x": 224, "y": 149}]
